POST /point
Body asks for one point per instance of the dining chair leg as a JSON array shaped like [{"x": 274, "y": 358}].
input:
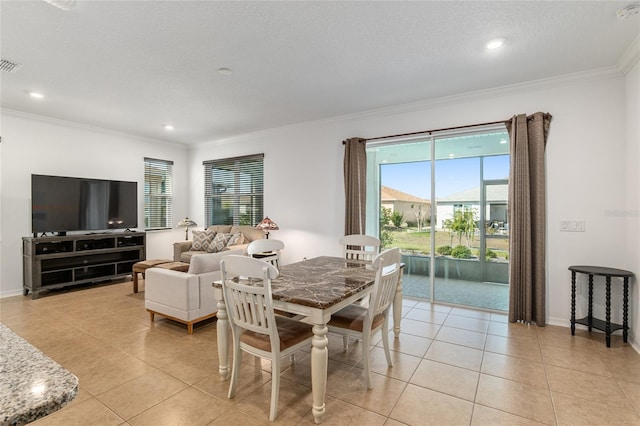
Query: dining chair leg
[
  {"x": 385, "y": 340},
  {"x": 235, "y": 368},
  {"x": 275, "y": 387},
  {"x": 366, "y": 349},
  {"x": 345, "y": 342}
]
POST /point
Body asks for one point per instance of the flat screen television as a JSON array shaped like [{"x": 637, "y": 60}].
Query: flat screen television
[{"x": 61, "y": 204}]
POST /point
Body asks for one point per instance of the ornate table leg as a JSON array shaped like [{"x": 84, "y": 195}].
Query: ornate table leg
[
  {"x": 573, "y": 303},
  {"x": 625, "y": 310},
  {"x": 224, "y": 338},
  {"x": 397, "y": 308},
  {"x": 319, "y": 361},
  {"x": 607, "y": 327}
]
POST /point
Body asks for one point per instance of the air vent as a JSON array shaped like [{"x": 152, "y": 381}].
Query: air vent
[{"x": 8, "y": 66}]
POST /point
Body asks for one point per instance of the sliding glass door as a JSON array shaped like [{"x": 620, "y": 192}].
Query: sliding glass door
[{"x": 447, "y": 216}]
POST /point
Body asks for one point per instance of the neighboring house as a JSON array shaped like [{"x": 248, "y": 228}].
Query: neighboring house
[
  {"x": 496, "y": 205},
  {"x": 413, "y": 209}
]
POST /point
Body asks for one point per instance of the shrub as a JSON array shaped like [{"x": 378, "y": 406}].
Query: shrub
[
  {"x": 461, "y": 252},
  {"x": 397, "y": 218},
  {"x": 490, "y": 254},
  {"x": 444, "y": 250}
]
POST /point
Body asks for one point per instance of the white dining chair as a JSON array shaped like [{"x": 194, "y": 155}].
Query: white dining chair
[
  {"x": 267, "y": 250},
  {"x": 246, "y": 286},
  {"x": 361, "y": 322},
  {"x": 360, "y": 247}
]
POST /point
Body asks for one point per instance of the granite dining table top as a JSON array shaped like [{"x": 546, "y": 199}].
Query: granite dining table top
[
  {"x": 320, "y": 282},
  {"x": 32, "y": 385}
]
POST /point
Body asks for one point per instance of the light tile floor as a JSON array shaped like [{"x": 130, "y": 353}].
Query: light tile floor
[{"x": 452, "y": 366}]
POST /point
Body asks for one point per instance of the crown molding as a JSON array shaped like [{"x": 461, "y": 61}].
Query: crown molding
[
  {"x": 546, "y": 83},
  {"x": 630, "y": 56}
]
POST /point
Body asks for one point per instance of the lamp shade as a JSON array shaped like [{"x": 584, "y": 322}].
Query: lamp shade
[
  {"x": 187, "y": 222},
  {"x": 267, "y": 225}
]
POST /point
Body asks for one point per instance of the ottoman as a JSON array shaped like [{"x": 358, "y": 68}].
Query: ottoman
[
  {"x": 175, "y": 266},
  {"x": 140, "y": 267}
]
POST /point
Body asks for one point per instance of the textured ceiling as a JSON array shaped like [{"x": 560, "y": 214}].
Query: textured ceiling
[{"x": 133, "y": 66}]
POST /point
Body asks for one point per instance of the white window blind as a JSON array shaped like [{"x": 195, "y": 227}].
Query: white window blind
[
  {"x": 157, "y": 193},
  {"x": 234, "y": 190}
]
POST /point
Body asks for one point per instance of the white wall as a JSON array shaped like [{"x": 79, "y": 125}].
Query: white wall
[
  {"x": 587, "y": 155},
  {"x": 632, "y": 216},
  {"x": 36, "y": 145},
  {"x": 586, "y": 158}
]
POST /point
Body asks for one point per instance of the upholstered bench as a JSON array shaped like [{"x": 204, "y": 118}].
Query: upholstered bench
[{"x": 140, "y": 267}]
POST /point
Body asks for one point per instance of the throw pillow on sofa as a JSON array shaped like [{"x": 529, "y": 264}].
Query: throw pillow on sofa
[
  {"x": 202, "y": 240},
  {"x": 219, "y": 242},
  {"x": 236, "y": 239}
]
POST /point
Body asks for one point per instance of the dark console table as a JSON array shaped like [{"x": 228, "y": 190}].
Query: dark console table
[{"x": 607, "y": 326}]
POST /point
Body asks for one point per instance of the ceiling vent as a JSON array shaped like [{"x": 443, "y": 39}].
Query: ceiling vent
[{"x": 8, "y": 66}]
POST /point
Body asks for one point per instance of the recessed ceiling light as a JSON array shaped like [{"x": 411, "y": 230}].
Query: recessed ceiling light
[
  {"x": 503, "y": 141},
  {"x": 495, "y": 43},
  {"x": 452, "y": 155},
  {"x": 225, "y": 71},
  {"x": 168, "y": 127},
  {"x": 36, "y": 95}
]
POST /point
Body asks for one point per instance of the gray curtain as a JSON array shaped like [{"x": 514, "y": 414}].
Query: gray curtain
[
  {"x": 355, "y": 185},
  {"x": 527, "y": 207}
]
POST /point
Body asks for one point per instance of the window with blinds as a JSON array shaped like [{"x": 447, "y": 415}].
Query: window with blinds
[
  {"x": 234, "y": 189},
  {"x": 157, "y": 193}
]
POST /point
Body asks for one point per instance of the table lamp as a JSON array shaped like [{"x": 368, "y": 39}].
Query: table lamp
[
  {"x": 267, "y": 225},
  {"x": 186, "y": 223}
]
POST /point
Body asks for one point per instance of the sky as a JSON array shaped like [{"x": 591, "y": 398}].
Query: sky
[{"x": 452, "y": 175}]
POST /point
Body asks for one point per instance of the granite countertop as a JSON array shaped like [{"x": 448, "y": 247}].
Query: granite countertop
[{"x": 32, "y": 385}]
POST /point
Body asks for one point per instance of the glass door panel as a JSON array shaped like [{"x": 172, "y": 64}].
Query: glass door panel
[{"x": 447, "y": 216}]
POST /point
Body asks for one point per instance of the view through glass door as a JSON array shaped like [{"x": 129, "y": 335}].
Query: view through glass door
[{"x": 448, "y": 217}]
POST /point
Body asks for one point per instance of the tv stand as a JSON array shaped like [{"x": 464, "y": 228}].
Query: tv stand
[{"x": 60, "y": 261}]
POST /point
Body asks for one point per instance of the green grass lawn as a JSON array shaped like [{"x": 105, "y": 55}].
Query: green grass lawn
[{"x": 408, "y": 240}]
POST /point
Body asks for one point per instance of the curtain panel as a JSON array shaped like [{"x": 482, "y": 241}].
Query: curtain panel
[
  {"x": 527, "y": 217},
  {"x": 355, "y": 185}
]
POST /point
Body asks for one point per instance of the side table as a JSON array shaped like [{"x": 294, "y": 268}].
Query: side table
[{"x": 607, "y": 326}]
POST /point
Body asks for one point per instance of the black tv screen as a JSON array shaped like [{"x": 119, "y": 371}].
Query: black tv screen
[{"x": 61, "y": 204}]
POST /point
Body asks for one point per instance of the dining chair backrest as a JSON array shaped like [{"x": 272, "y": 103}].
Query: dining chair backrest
[
  {"x": 246, "y": 284},
  {"x": 266, "y": 249},
  {"x": 387, "y": 266},
  {"x": 356, "y": 320},
  {"x": 360, "y": 247}
]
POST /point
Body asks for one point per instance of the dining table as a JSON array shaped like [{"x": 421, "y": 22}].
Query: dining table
[{"x": 314, "y": 289}]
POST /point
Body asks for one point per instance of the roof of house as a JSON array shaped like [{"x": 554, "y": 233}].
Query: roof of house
[{"x": 390, "y": 194}]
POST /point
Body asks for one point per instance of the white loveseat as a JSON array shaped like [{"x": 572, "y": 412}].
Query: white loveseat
[{"x": 186, "y": 297}]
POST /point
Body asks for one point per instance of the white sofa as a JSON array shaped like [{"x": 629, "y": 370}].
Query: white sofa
[{"x": 186, "y": 297}]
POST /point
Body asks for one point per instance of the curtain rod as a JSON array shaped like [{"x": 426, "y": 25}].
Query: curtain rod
[{"x": 428, "y": 132}]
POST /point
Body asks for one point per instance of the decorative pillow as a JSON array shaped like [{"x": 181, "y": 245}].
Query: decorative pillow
[
  {"x": 202, "y": 240},
  {"x": 219, "y": 242},
  {"x": 236, "y": 239}
]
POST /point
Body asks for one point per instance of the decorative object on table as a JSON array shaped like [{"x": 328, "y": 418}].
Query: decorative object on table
[
  {"x": 267, "y": 225},
  {"x": 186, "y": 223}
]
